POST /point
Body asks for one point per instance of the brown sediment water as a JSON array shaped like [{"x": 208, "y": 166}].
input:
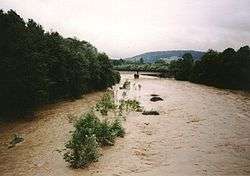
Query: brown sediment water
[{"x": 201, "y": 130}]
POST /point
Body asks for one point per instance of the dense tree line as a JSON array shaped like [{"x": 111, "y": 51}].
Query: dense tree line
[
  {"x": 38, "y": 67},
  {"x": 227, "y": 69},
  {"x": 123, "y": 65}
]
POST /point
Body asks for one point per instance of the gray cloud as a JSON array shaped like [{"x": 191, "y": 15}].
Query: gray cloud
[{"x": 128, "y": 27}]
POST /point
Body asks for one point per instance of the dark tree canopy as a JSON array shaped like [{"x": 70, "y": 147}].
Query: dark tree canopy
[
  {"x": 227, "y": 69},
  {"x": 38, "y": 67}
]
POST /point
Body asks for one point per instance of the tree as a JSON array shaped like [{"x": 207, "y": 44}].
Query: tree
[
  {"x": 141, "y": 61},
  {"x": 181, "y": 69},
  {"x": 187, "y": 56},
  {"x": 38, "y": 67}
]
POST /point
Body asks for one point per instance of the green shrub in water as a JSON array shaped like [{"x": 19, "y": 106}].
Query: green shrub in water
[
  {"x": 105, "y": 104},
  {"x": 104, "y": 134},
  {"x": 82, "y": 150},
  {"x": 17, "y": 138},
  {"x": 130, "y": 105},
  {"x": 117, "y": 128},
  {"x": 90, "y": 133}
]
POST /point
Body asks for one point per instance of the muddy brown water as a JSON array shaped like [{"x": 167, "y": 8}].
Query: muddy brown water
[{"x": 200, "y": 131}]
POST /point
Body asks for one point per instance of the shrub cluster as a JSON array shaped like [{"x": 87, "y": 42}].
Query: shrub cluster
[
  {"x": 130, "y": 105},
  {"x": 90, "y": 133},
  {"x": 105, "y": 104},
  {"x": 38, "y": 67}
]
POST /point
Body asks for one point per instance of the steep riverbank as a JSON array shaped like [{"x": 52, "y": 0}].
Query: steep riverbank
[{"x": 200, "y": 131}]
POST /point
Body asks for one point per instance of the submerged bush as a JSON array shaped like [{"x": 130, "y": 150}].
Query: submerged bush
[
  {"x": 117, "y": 128},
  {"x": 104, "y": 133},
  {"x": 90, "y": 133},
  {"x": 17, "y": 138},
  {"x": 105, "y": 104},
  {"x": 82, "y": 150},
  {"x": 130, "y": 105}
]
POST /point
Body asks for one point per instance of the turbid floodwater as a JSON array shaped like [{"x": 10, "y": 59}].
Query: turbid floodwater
[{"x": 201, "y": 130}]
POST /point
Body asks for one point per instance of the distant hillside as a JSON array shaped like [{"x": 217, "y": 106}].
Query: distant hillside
[{"x": 166, "y": 55}]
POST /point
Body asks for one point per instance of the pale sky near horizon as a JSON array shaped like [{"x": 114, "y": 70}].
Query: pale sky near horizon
[{"x": 124, "y": 28}]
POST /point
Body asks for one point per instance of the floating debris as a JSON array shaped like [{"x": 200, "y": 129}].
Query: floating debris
[
  {"x": 154, "y": 99},
  {"x": 16, "y": 139},
  {"x": 195, "y": 120},
  {"x": 136, "y": 76},
  {"x": 126, "y": 85},
  {"x": 124, "y": 94},
  {"x": 150, "y": 113},
  {"x": 139, "y": 86},
  {"x": 154, "y": 95}
]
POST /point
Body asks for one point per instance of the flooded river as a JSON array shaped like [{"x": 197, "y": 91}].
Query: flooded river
[{"x": 200, "y": 131}]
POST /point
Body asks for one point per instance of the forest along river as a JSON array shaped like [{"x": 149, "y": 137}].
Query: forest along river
[{"x": 200, "y": 131}]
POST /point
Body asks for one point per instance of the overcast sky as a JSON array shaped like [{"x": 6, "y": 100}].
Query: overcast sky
[{"x": 124, "y": 28}]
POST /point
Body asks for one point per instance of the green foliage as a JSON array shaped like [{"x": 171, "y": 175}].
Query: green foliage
[
  {"x": 141, "y": 61},
  {"x": 82, "y": 150},
  {"x": 38, "y": 67},
  {"x": 130, "y": 105},
  {"x": 124, "y": 65},
  {"x": 90, "y": 133},
  {"x": 105, "y": 104},
  {"x": 229, "y": 69},
  {"x": 116, "y": 77},
  {"x": 87, "y": 124},
  {"x": 181, "y": 69},
  {"x": 117, "y": 128},
  {"x": 147, "y": 67},
  {"x": 104, "y": 133}
]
